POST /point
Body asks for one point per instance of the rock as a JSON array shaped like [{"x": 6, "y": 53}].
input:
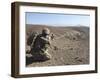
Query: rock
[
  {"x": 55, "y": 48},
  {"x": 76, "y": 57},
  {"x": 71, "y": 49}
]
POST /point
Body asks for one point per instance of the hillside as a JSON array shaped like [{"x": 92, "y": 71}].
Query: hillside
[{"x": 69, "y": 47}]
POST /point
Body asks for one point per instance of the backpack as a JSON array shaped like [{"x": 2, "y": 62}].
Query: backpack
[{"x": 31, "y": 38}]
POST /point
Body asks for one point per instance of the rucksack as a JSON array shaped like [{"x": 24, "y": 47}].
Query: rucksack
[{"x": 31, "y": 38}]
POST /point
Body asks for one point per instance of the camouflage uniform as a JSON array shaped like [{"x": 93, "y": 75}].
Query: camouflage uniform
[{"x": 39, "y": 48}]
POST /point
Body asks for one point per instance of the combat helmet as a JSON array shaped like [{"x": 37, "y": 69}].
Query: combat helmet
[{"x": 46, "y": 31}]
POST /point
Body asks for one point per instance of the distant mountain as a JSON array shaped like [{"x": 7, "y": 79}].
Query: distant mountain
[{"x": 36, "y": 25}]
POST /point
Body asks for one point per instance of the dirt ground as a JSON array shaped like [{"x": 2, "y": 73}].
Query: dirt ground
[{"x": 69, "y": 47}]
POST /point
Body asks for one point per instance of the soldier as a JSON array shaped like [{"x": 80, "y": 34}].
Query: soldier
[{"x": 39, "y": 47}]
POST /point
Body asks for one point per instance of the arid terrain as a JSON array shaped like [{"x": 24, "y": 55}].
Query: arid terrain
[{"x": 69, "y": 47}]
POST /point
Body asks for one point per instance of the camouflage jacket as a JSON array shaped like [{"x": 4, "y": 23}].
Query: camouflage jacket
[{"x": 41, "y": 43}]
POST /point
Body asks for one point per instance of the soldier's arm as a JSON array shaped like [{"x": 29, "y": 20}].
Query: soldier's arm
[{"x": 45, "y": 40}]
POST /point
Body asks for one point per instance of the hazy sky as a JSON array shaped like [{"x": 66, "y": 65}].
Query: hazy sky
[{"x": 57, "y": 19}]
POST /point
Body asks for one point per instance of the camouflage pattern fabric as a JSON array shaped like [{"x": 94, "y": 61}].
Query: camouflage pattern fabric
[{"x": 40, "y": 47}]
